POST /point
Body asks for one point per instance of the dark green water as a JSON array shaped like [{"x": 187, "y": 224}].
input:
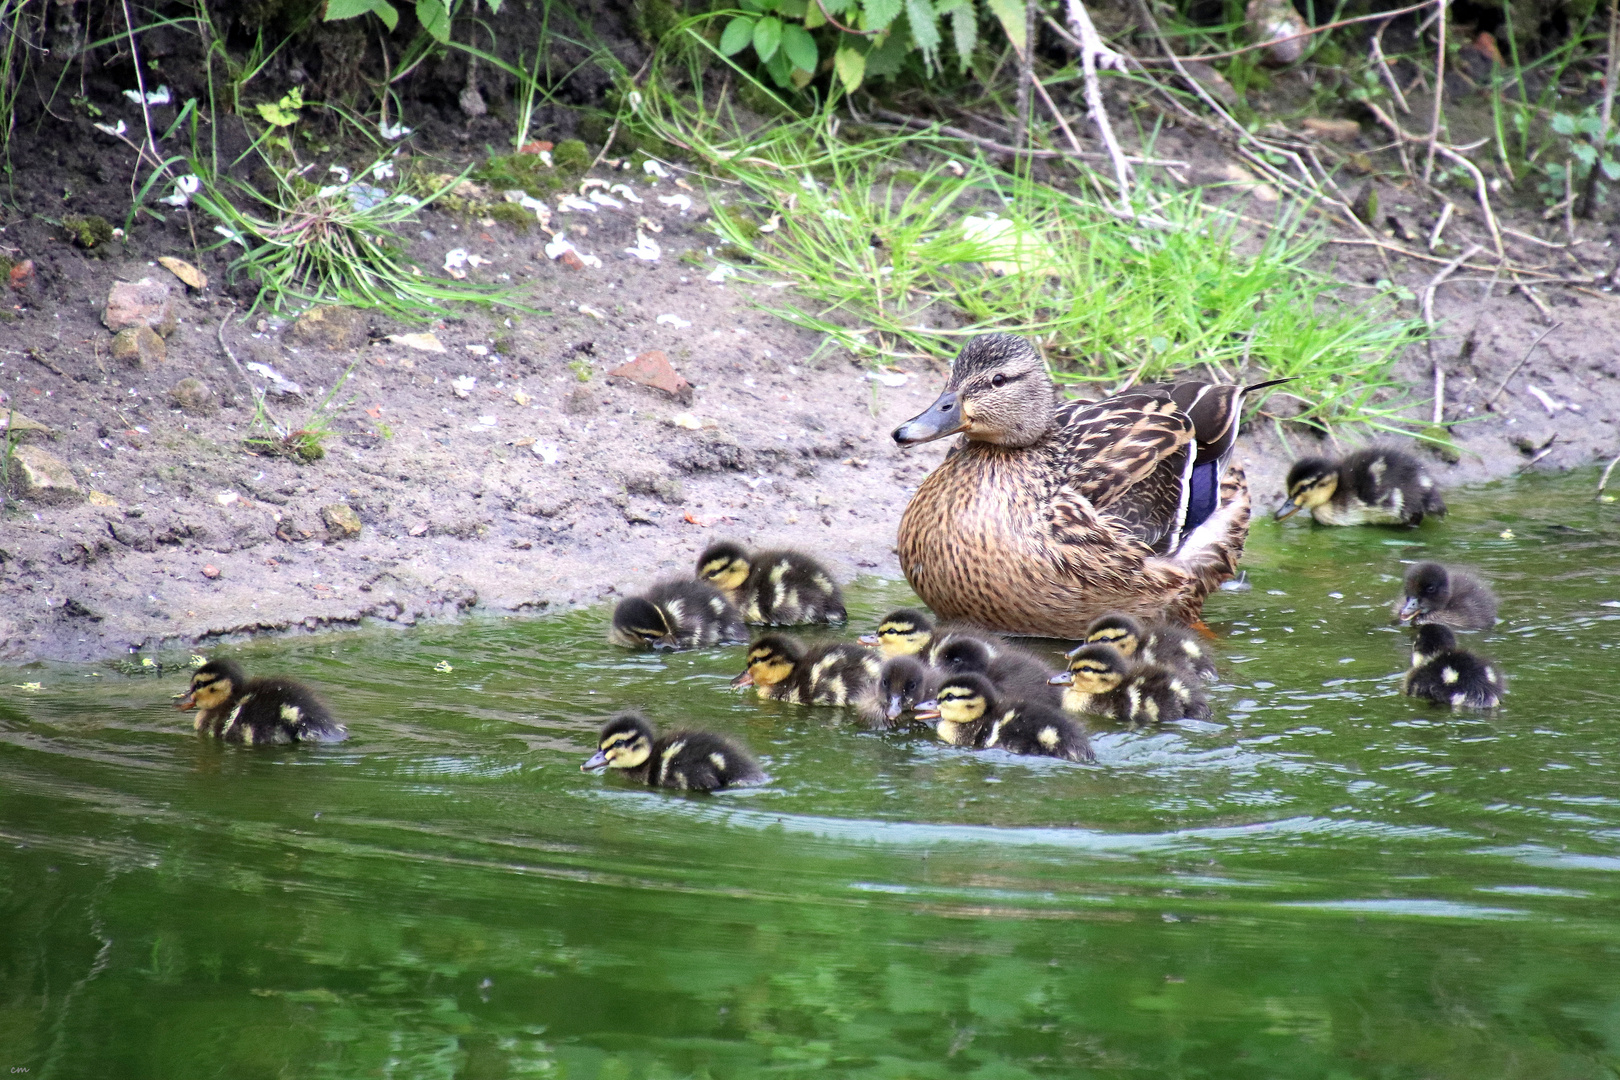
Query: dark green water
[{"x": 1329, "y": 881}]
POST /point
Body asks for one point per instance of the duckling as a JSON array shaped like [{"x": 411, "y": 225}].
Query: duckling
[
  {"x": 1376, "y": 486},
  {"x": 1450, "y": 595},
  {"x": 778, "y": 588},
  {"x": 909, "y": 632},
  {"x": 968, "y": 712},
  {"x": 1100, "y": 680},
  {"x": 781, "y": 668},
  {"x": 902, "y": 682},
  {"x": 1447, "y": 675},
  {"x": 1161, "y": 643},
  {"x": 677, "y": 614},
  {"x": 688, "y": 760},
  {"x": 1016, "y": 674},
  {"x": 235, "y": 708}
]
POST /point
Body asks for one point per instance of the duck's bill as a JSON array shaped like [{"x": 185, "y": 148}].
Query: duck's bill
[
  {"x": 189, "y": 701},
  {"x": 1287, "y": 510},
  {"x": 745, "y": 679},
  {"x": 944, "y": 417},
  {"x": 596, "y": 761},
  {"x": 869, "y": 640},
  {"x": 895, "y": 707},
  {"x": 1062, "y": 678},
  {"x": 1409, "y": 609},
  {"x": 1070, "y": 654},
  {"x": 927, "y": 716}
]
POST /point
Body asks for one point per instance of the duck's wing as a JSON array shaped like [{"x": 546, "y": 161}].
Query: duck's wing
[{"x": 1128, "y": 457}]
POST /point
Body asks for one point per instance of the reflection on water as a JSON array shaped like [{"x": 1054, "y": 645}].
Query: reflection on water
[{"x": 1326, "y": 880}]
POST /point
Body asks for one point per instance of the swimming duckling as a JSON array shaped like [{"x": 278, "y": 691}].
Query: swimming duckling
[
  {"x": 781, "y": 668},
  {"x": 778, "y": 588},
  {"x": 1017, "y": 675},
  {"x": 902, "y": 682},
  {"x": 235, "y": 708},
  {"x": 1100, "y": 680},
  {"x": 1162, "y": 643},
  {"x": 968, "y": 712},
  {"x": 1447, "y": 675},
  {"x": 1442, "y": 594},
  {"x": 909, "y": 632},
  {"x": 677, "y": 614},
  {"x": 688, "y": 760},
  {"x": 1376, "y": 486}
]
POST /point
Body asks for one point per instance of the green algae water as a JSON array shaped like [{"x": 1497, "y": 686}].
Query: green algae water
[{"x": 1328, "y": 880}]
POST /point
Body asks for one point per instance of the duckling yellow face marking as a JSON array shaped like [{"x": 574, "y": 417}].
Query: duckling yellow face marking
[
  {"x": 725, "y": 572},
  {"x": 1117, "y": 636},
  {"x": 625, "y": 749},
  {"x": 209, "y": 691},
  {"x": 1313, "y": 491},
  {"x": 1089, "y": 676},
  {"x": 898, "y": 637},
  {"x": 959, "y": 705},
  {"x": 769, "y": 666}
]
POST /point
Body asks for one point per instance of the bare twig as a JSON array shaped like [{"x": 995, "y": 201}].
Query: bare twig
[
  {"x": 39, "y": 358},
  {"x": 1521, "y": 362},
  {"x": 917, "y": 123},
  {"x": 1530, "y": 294},
  {"x": 1481, "y": 191},
  {"x": 1427, "y": 303},
  {"x": 1606, "y": 114},
  {"x": 1376, "y": 50},
  {"x": 1439, "y": 393},
  {"x": 1440, "y": 226},
  {"x": 1094, "y": 54},
  {"x": 1385, "y": 16},
  {"x": 1439, "y": 94}
]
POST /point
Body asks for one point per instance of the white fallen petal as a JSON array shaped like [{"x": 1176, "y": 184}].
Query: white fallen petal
[
  {"x": 586, "y": 309},
  {"x": 591, "y": 182},
  {"x": 773, "y": 224},
  {"x": 654, "y": 168},
  {"x": 112, "y": 130},
  {"x": 340, "y": 172},
  {"x": 278, "y": 383},
  {"x": 187, "y": 183},
  {"x": 624, "y": 189},
  {"x": 462, "y": 385},
  {"x": 231, "y": 235},
  {"x": 720, "y": 273},
  {"x": 887, "y": 378},
  {"x": 674, "y": 320},
  {"x": 225, "y": 498},
  {"x": 546, "y": 453},
  {"x": 489, "y": 421},
  {"x": 422, "y": 342},
  {"x": 646, "y": 248},
  {"x": 683, "y": 203},
  {"x": 393, "y": 132},
  {"x": 475, "y": 261},
  {"x": 477, "y": 350},
  {"x": 574, "y": 202},
  {"x": 328, "y": 191},
  {"x": 602, "y": 198}
]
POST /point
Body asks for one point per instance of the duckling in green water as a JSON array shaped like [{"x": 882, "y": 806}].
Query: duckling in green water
[
  {"x": 1017, "y": 674},
  {"x": 256, "y": 712},
  {"x": 1446, "y": 594},
  {"x": 777, "y": 588},
  {"x": 688, "y": 760},
  {"x": 1100, "y": 680},
  {"x": 1447, "y": 675},
  {"x": 677, "y": 614},
  {"x": 781, "y": 668},
  {"x": 967, "y": 711},
  {"x": 909, "y": 632},
  {"x": 1376, "y": 486},
  {"x": 1154, "y": 642},
  {"x": 902, "y": 682}
]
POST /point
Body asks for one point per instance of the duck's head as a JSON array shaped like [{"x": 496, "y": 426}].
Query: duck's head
[
  {"x": 1428, "y": 587},
  {"x": 639, "y": 623},
  {"x": 962, "y": 700},
  {"x": 960, "y": 654},
  {"x": 212, "y": 685},
  {"x": 902, "y": 684},
  {"x": 902, "y": 633},
  {"x": 1311, "y": 482},
  {"x": 1116, "y": 628},
  {"x": 1094, "y": 669},
  {"x": 724, "y": 564},
  {"x": 624, "y": 743},
  {"x": 999, "y": 392},
  {"x": 770, "y": 660},
  {"x": 1432, "y": 640}
]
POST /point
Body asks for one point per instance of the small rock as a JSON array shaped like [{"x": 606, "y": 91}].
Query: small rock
[
  {"x": 142, "y": 303},
  {"x": 101, "y": 498},
  {"x": 139, "y": 346},
  {"x": 194, "y": 396},
  {"x": 77, "y": 610},
  {"x": 419, "y": 529},
  {"x": 43, "y": 477},
  {"x": 1278, "y": 26},
  {"x": 22, "y": 428},
  {"x": 342, "y": 523},
  {"x": 652, "y": 368},
  {"x": 211, "y": 572},
  {"x": 331, "y": 327},
  {"x": 582, "y": 402}
]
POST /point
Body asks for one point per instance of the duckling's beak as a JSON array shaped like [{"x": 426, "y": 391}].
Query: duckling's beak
[
  {"x": 943, "y": 417},
  {"x": 1287, "y": 510},
  {"x": 189, "y": 701},
  {"x": 895, "y": 708},
  {"x": 745, "y": 679},
  {"x": 1409, "y": 609},
  {"x": 597, "y": 760},
  {"x": 869, "y": 640},
  {"x": 926, "y": 710},
  {"x": 1062, "y": 678},
  {"x": 1070, "y": 654}
]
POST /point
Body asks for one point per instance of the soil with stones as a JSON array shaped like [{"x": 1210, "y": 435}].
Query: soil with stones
[{"x": 511, "y": 471}]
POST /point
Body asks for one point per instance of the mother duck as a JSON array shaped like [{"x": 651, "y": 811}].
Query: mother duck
[{"x": 1046, "y": 515}]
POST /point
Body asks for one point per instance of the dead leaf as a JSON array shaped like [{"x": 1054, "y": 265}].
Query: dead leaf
[
  {"x": 652, "y": 368},
  {"x": 21, "y": 272},
  {"x": 539, "y": 146},
  {"x": 520, "y": 397},
  {"x": 375, "y": 412},
  {"x": 183, "y": 270},
  {"x": 1328, "y": 128},
  {"x": 772, "y": 225},
  {"x": 570, "y": 259},
  {"x": 422, "y": 342}
]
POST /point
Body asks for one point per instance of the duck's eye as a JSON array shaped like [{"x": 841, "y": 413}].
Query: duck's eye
[{"x": 998, "y": 380}]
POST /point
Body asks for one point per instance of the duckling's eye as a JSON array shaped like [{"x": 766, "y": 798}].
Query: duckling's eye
[{"x": 998, "y": 380}]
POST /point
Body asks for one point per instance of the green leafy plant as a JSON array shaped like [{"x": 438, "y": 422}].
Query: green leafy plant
[
  {"x": 305, "y": 441},
  {"x": 434, "y": 16}
]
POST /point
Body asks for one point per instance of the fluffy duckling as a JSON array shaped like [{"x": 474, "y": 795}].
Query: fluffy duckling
[
  {"x": 778, "y": 588},
  {"x": 1017, "y": 675},
  {"x": 688, "y": 760},
  {"x": 1100, "y": 680},
  {"x": 677, "y": 614},
  {"x": 968, "y": 712},
  {"x": 909, "y": 632},
  {"x": 902, "y": 682},
  {"x": 1446, "y": 594},
  {"x": 1375, "y": 486},
  {"x": 235, "y": 708},
  {"x": 781, "y": 668},
  {"x": 1447, "y": 675},
  {"x": 1161, "y": 643}
]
